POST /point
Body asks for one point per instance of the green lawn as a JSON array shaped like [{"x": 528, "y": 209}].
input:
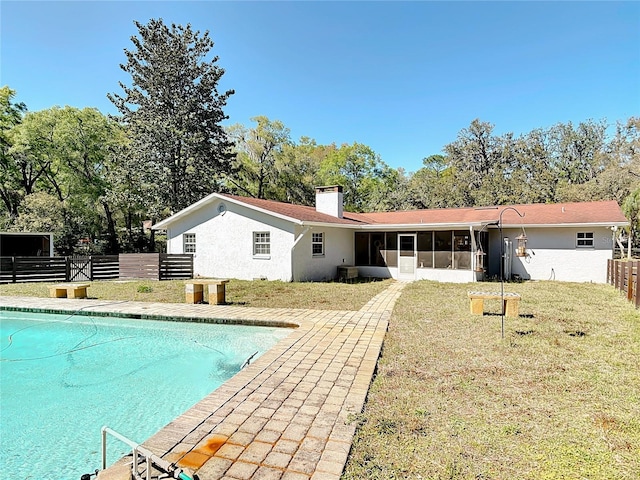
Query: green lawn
[
  {"x": 274, "y": 294},
  {"x": 558, "y": 398}
]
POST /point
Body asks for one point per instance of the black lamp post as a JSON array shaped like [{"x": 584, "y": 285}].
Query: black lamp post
[{"x": 522, "y": 239}]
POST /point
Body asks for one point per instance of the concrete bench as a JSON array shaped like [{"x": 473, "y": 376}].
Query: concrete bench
[
  {"x": 69, "y": 290},
  {"x": 194, "y": 290},
  {"x": 510, "y": 307}
]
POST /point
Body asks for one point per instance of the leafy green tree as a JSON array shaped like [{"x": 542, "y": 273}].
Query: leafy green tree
[
  {"x": 35, "y": 154},
  {"x": 358, "y": 169},
  {"x": 41, "y": 212},
  {"x": 484, "y": 166},
  {"x": 434, "y": 185},
  {"x": 11, "y": 114},
  {"x": 298, "y": 170},
  {"x": 173, "y": 112},
  {"x": 577, "y": 151},
  {"x": 391, "y": 192},
  {"x": 87, "y": 141},
  {"x": 476, "y": 151},
  {"x": 533, "y": 152},
  {"x": 133, "y": 199},
  {"x": 631, "y": 209},
  {"x": 258, "y": 150},
  {"x": 66, "y": 152}
]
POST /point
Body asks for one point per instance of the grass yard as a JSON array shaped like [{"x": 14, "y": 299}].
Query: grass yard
[
  {"x": 558, "y": 398},
  {"x": 273, "y": 294}
]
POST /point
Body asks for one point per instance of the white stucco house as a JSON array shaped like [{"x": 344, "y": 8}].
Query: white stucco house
[{"x": 247, "y": 238}]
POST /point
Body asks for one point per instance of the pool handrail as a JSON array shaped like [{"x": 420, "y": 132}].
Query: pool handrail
[{"x": 150, "y": 457}]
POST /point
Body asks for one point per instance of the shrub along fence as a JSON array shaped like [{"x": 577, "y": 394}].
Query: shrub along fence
[
  {"x": 623, "y": 274},
  {"x": 157, "y": 266}
]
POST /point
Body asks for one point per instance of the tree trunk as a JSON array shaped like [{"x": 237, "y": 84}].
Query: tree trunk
[{"x": 113, "y": 247}]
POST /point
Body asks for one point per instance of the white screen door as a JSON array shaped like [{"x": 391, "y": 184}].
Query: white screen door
[{"x": 406, "y": 257}]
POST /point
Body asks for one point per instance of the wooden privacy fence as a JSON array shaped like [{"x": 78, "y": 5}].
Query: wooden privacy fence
[
  {"x": 623, "y": 274},
  {"x": 157, "y": 266}
]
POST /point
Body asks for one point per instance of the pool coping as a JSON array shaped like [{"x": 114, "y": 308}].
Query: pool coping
[{"x": 289, "y": 415}]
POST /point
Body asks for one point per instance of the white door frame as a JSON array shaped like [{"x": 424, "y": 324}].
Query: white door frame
[{"x": 407, "y": 268}]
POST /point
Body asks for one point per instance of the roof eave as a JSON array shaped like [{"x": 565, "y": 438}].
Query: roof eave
[
  {"x": 308, "y": 223},
  {"x": 565, "y": 225},
  {"x": 414, "y": 226},
  {"x": 200, "y": 203}
]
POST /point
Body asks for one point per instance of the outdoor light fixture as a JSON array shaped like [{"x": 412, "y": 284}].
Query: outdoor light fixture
[
  {"x": 480, "y": 260},
  {"x": 521, "y": 249}
]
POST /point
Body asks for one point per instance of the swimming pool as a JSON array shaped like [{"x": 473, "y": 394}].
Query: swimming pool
[{"x": 62, "y": 377}]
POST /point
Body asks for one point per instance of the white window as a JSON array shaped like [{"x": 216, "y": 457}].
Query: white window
[
  {"x": 584, "y": 239},
  {"x": 189, "y": 242},
  {"x": 317, "y": 244},
  {"x": 261, "y": 243}
]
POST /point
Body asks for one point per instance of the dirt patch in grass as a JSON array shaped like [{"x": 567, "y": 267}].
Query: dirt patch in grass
[
  {"x": 269, "y": 294},
  {"x": 557, "y": 398}
]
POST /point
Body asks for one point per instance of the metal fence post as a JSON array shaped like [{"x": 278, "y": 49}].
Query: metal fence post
[{"x": 67, "y": 274}]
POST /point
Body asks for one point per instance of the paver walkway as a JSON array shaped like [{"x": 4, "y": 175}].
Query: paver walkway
[{"x": 288, "y": 415}]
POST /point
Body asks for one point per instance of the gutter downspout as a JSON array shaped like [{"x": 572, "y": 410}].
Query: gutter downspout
[{"x": 293, "y": 247}]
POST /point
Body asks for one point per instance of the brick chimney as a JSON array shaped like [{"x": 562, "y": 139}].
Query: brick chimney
[{"x": 329, "y": 200}]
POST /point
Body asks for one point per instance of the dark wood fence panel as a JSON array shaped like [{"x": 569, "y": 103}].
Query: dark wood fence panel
[
  {"x": 96, "y": 267},
  {"x": 33, "y": 269},
  {"x": 140, "y": 265},
  {"x": 6, "y": 270},
  {"x": 105, "y": 267},
  {"x": 175, "y": 266},
  {"x": 623, "y": 275}
]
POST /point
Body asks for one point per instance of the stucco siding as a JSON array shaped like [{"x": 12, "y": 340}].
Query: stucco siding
[
  {"x": 445, "y": 275},
  {"x": 338, "y": 250},
  {"x": 435, "y": 274},
  {"x": 224, "y": 243},
  {"x": 553, "y": 255}
]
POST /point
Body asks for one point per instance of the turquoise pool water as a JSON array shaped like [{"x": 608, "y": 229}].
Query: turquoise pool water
[{"x": 63, "y": 377}]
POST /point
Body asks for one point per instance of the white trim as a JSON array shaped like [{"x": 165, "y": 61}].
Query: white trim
[
  {"x": 213, "y": 196},
  {"x": 564, "y": 225},
  {"x": 262, "y": 234},
  {"x": 315, "y": 242},
  {"x": 408, "y": 276},
  {"x": 191, "y": 243}
]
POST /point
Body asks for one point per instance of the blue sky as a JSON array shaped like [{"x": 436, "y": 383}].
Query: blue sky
[{"x": 401, "y": 77}]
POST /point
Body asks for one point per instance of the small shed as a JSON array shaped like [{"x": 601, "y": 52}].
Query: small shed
[{"x": 21, "y": 244}]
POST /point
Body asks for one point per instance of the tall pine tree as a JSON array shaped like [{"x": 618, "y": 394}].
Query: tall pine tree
[{"x": 173, "y": 112}]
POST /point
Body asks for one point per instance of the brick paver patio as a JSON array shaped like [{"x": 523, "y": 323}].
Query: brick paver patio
[{"x": 286, "y": 416}]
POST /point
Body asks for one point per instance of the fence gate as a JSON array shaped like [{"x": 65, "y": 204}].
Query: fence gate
[{"x": 79, "y": 269}]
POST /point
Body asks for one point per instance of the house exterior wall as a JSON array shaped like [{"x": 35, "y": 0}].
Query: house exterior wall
[
  {"x": 436, "y": 274},
  {"x": 445, "y": 275},
  {"x": 338, "y": 250},
  {"x": 224, "y": 242},
  {"x": 553, "y": 254}
]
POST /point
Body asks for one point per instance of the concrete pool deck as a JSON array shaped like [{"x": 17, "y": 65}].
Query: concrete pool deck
[{"x": 287, "y": 416}]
